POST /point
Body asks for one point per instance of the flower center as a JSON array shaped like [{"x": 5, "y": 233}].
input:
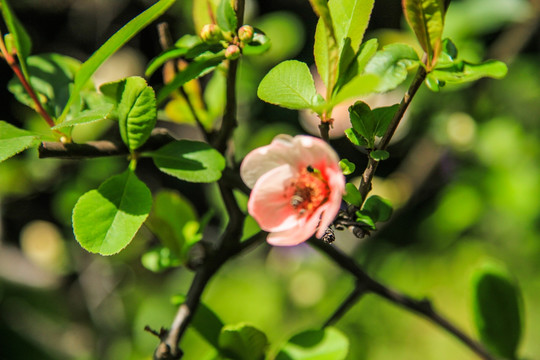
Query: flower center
[{"x": 308, "y": 191}]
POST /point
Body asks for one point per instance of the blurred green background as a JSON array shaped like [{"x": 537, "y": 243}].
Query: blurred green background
[{"x": 464, "y": 176}]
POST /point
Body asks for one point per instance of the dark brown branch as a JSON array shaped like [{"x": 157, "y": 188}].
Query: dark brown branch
[{"x": 422, "y": 307}]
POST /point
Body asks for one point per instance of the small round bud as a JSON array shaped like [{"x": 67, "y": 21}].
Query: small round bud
[
  {"x": 232, "y": 52},
  {"x": 245, "y": 33},
  {"x": 211, "y": 33}
]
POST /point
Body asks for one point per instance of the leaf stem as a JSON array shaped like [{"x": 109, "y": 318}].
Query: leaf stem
[
  {"x": 365, "y": 283},
  {"x": 12, "y": 62}
]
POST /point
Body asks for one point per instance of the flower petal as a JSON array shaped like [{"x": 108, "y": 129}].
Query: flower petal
[
  {"x": 268, "y": 203},
  {"x": 304, "y": 229},
  {"x": 336, "y": 182}
]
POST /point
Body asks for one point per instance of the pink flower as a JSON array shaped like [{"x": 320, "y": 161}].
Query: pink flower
[{"x": 297, "y": 188}]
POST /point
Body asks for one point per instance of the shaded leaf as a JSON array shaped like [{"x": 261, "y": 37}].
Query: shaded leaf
[
  {"x": 352, "y": 195},
  {"x": 326, "y": 344},
  {"x": 243, "y": 342},
  {"x": 360, "y": 85},
  {"x": 114, "y": 43},
  {"x": 377, "y": 208},
  {"x": 14, "y": 140},
  {"x": 392, "y": 64},
  {"x": 20, "y": 37},
  {"x": 355, "y": 138},
  {"x": 50, "y": 76},
  {"x": 348, "y": 71},
  {"x": 290, "y": 85},
  {"x": 106, "y": 220},
  {"x": 497, "y": 310},
  {"x": 205, "y": 321},
  {"x": 189, "y": 160}
]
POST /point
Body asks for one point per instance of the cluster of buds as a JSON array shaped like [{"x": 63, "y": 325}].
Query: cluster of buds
[{"x": 212, "y": 34}]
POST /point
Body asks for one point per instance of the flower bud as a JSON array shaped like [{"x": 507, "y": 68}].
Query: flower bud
[
  {"x": 232, "y": 52},
  {"x": 245, "y": 33},
  {"x": 211, "y": 33}
]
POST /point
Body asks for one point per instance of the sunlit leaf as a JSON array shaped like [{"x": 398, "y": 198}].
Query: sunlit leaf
[
  {"x": 392, "y": 64},
  {"x": 87, "y": 116},
  {"x": 326, "y": 344},
  {"x": 20, "y": 37},
  {"x": 426, "y": 18},
  {"x": 14, "y": 140},
  {"x": 243, "y": 342},
  {"x": 346, "y": 166},
  {"x": 192, "y": 161},
  {"x": 379, "y": 155},
  {"x": 106, "y": 220},
  {"x": 226, "y": 16},
  {"x": 290, "y": 85},
  {"x": 114, "y": 43},
  {"x": 464, "y": 72}
]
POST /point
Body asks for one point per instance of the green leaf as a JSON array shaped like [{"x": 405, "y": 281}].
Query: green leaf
[
  {"x": 377, "y": 208},
  {"x": 363, "y": 122},
  {"x": 14, "y": 140},
  {"x": 326, "y": 344},
  {"x": 497, "y": 310},
  {"x": 188, "y": 47},
  {"x": 379, "y": 155},
  {"x": 365, "y": 220},
  {"x": 20, "y": 37},
  {"x": 326, "y": 48},
  {"x": 226, "y": 16},
  {"x": 192, "y": 161},
  {"x": 360, "y": 85},
  {"x": 290, "y": 85},
  {"x": 87, "y": 116},
  {"x": 392, "y": 64},
  {"x": 258, "y": 45},
  {"x": 160, "y": 259},
  {"x": 426, "y": 18},
  {"x": 382, "y": 117},
  {"x": 463, "y": 72},
  {"x": 346, "y": 166},
  {"x": 114, "y": 43},
  {"x": 51, "y": 76},
  {"x": 243, "y": 342},
  {"x": 106, "y": 220},
  {"x": 205, "y": 321},
  {"x": 198, "y": 67},
  {"x": 136, "y": 109},
  {"x": 350, "y": 18},
  {"x": 170, "y": 215},
  {"x": 349, "y": 70},
  {"x": 352, "y": 195},
  {"x": 355, "y": 138}
]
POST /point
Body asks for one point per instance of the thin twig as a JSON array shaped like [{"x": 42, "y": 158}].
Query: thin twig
[
  {"x": 101, "y": 148},
  {"x": 422, "y": 307},
  {"x": 169, "y": 69},
  {"x": 359, "y": 290}
]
